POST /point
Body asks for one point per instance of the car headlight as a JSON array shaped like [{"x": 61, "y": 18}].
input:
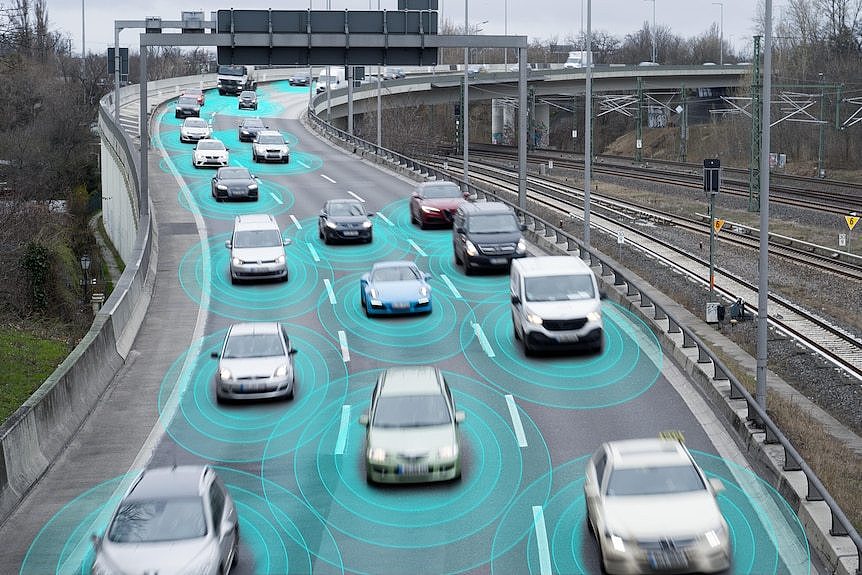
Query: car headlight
[
  {"x": 236, "y": 261},
  {"x": 594, "y": 316},
  {"x": 373, "y": 293},
  {"x": 522, "y": 247},
  {"x": 424, "y": 291},
  {"x": 430, "y": 210},
  {"x": 534, "y": 319},
  {"x": 470, "y": 248},
  {"x": 617, "y": 542},
  {"x": 280, "y": 259},
  {"x": 221, "y": 187},
  {"x": 245, "y": 132},
  {"x": 281, "y": 371},
  {"x": 448, "y": 452},
  {"x": 714, "y": 537},
  {"x": 366, "y": 224},
  {"x": 377, "y": 454},
  {"x": 225, "y": 374},
  {"x": 100, "y": 568},
  {"x": 252, "y": 186},
  {"x": 205, "y": 563},
  {"x": 331, "y": 225}
]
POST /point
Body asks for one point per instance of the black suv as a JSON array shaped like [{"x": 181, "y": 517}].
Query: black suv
[{"x": 486, "y": 235}]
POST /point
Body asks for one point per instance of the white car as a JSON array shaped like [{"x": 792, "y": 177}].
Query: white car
[
  {"x": 210, "y": 153},
  {"x": 194, "y": 129},
  {"x": 652, "y": 509},
  {"x": 270, "y": 145}
]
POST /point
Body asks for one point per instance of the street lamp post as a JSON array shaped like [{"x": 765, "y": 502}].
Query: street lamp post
[
  {"x": 653, "y": 28},
  {"x": 506, "y": 33},
  {"x": 85, "y": 280},
  {"x": 720, "y": 33}
]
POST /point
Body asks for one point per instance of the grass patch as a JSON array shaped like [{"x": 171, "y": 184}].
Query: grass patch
[
  {"x": 107, "y": 239},
  {"x": 26, "y": 360}
]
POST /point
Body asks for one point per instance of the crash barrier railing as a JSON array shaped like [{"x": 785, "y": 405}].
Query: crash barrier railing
[{"x": 793, "y": 461}]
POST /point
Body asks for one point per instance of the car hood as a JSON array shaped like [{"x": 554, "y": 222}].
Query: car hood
[
  {"x": 494, "y": 237},
  {"x": 211, "y": 152},
  {"x": 254, "y": 366},
  {"x": 235, "y": 182},
  {"x": 412, "y": 441},
  {"x": 443, "y": 203},
  {"x": 348, "y": 220},
  {"x": 657, "y": 516},
  {"x": 258, "y": 254},
  {"x": 562, "y": 309},
  {"x": 396, "y": 291},
  {"x": 164, "y": 558},
  {"x": 195, "y": 130}
]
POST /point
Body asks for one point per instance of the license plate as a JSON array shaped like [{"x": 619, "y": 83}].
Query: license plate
[
  {"x": 567, "y": 338},
  {"x": 412, "y": 469},
  {"x": 668, "y": 560},
  {"x": 498, "y": 261},
  {"x": 351, "y": 234},
  {"x": 400, "y": 305}
]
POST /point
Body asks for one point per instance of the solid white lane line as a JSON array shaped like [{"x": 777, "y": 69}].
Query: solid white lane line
[
  {"x": 385, "y": 219},
  {"x": 313, "y": 252},
  {"x": 483, "y": 341},
  {"x": 542, "y": 540},
  {"x": 295, "y": 222},
  {"x": 342, "y": 341},
  {"x": 276, "y": 198},
  {"x": 341, "y": 442},
  {"x": 417, "y": 248},
  {"x": 329, "y": 291},
  {"x": 327, "y": 178},
  {"x": 451, "y": 286},
  {"x": 355, "y": 196},
  {"x": 516, "y": 421}
]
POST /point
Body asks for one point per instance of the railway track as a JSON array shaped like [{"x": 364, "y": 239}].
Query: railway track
[{"x": 828, "y": 341}]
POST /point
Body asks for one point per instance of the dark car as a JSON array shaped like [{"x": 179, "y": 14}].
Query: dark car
[
  {"x": 234, "y": 183},
  {"x": 299, "y": 79},
  {"x": 344, "y": 220},
  {"x": 434, "y": 203},
  {"x": 187, "y": 106},
  {"x": 247, "y": 100},
  {"x": 249, "y": 128},
  {"x": 486, "y": 235}
]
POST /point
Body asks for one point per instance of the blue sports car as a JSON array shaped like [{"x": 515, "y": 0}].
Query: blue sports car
[{"x": 395, "y": 288}]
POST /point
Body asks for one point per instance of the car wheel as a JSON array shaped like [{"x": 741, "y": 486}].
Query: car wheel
[
  {"x": 413, "y": 219},
  {"x": 422, "y": 224},
  {"x": 370, "y": 238},
  {"x": 458, "y": 260},
  {"x": 326, "y": 238},
  {"x": 284, "y": 279},
  {"x": 235, "y": 558},
  {"x": 319, "y": 233},
  {"x": 529, "y": 351},
  {"x": 233, "y": 280},
  {"x": 254, "y": 158},
  {"x": 515, "y": 329},
  {"x": 468, "y": 271},
  {"x": 289, "y": 396}
]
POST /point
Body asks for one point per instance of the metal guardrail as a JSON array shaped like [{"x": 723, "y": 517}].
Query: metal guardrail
[{"x": 793, "y": 461}]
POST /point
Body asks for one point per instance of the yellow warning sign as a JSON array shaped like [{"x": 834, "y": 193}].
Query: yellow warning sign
[
  {"x": 718, "y": 224},
  {"x": 851, "y": 221}
]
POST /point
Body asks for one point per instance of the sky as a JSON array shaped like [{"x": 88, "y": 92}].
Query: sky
[{"x": 537, "y": 19}]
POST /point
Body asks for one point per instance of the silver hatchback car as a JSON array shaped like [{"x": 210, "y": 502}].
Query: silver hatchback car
[
  {"x": 256, "y": 362},
  {"x": 257, "y": 249},
  {"x": 171, "y": 521}
]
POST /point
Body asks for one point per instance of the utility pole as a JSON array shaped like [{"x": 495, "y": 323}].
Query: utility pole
[
  {"x": 720, "y": 33},
  {"x": 821, "y": 172},
  {"x": 756, "y": 130},
  {"x": 683, "y": 126},
  {"x": 465, "y": 109},
  {"x": 588, "y": 128},
  {"x": 639, "y": 142}
]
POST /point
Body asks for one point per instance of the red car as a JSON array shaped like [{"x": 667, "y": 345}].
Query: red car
[
  {"x": 434, "y": 203},
  {"x": 197, "y": 93}
]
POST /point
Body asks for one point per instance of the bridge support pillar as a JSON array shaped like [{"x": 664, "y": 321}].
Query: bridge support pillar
[
  {"x": 541, "y": 125},
  {"x": 502, "y": 122}
]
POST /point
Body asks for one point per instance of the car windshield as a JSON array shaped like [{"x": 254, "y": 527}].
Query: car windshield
[
  {"x": 211, "y": 145},
  {"x": 228, "y": 70},
  {"x": 411, "y": 411},
  {"x": 161, "y": 520},
  {"x": 654, "y": 480},
  {"x": 195, "y": 123},
  {"x": 493, "y": 224},
  {"x": 248, "y": 95},
  {"x": 346, "y": 209},
  {"x": 187, "y": 100},
  {"x": 434, "y": 192},
  {"x": 257, "y": 239},
  {"x": 234, "y": 174},
  {"x": 395, "y": 274},
  {"x": 559, "y": 288},
  {"x": 270, "y": 140},
  {"x": 252, "y": 123},
  {"x": 253, "y": 345}
]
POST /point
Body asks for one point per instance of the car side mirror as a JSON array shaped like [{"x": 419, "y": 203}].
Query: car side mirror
[
  {"x": 716, "y": 484},
  {"x": 522, "y": 227},
  {"x": 227, "y": 526},
  {"x": 286, "y": 241},
  {"x": 414, "y": 195},
  {"x": 214, "y": 355},
  {"x": 370, "y": 214},
  {"x": 291, "y": 351},
  {"x": 459, "y": 230},
  {"x": 460, "y": 416},
  {"x": 516, "y": 299},
  {"x": 363, "y": 419},
  {"x": 227, "y": 244},
  {"x": 427, "y": 275},
  {"x": 96, "y": 540},
  {"x": 227, "y": 149},
  {"x": 322, "y": 212}
]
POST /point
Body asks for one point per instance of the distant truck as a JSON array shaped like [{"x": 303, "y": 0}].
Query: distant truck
[
  {"x": 233, "y": 79},
  {"x": 578, "y": 59},
  {"x": 332, "y": 81}
]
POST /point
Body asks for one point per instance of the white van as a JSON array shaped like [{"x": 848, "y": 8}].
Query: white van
[
  {"x": 333, "y": 80},
  {"x": 556, "y": 303}
]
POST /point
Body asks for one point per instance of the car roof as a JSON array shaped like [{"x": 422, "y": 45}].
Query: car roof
[
  {"x": 393, "y": 264},
  {"x": 552, "y": 265},
  {"x": 254, "y": 222},
  {"x": 248, "y": 92},
  {"x": 269, "y": 133},
  {"x": 485, "y": 208},
  {"x": 168, "y": 483},
  {"x": 652, "y": 452},
  {"x": 211, "y": 140},
  {"x": 344, "y": 201},
  {"x": 195, "y": 119},
  {"x": 188, "y": 97},
  {"x": 437, "y": 184},
  {"x": 255, "y": 328},
  {"x": 410, "y": 380},
  {"x": 255, "y": 120}
]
